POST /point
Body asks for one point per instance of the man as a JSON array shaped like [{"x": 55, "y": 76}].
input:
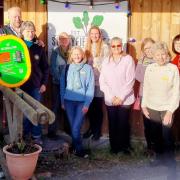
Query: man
[
  {"x": 14, "y": 16},
  {"x": 15, "y": 21}
]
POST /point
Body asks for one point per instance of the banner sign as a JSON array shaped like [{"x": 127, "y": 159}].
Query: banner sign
[
  {"x": 77, "y": 19},
  {"x": 15, "y": 65}
]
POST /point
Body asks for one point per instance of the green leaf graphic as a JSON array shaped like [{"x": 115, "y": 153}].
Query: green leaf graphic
[
  {"x": 97, "y": 20},
  {"x": 77, "y": 22},
  {"x": 85, "y": 18}
]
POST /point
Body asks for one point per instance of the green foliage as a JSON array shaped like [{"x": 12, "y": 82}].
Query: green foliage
[
  {"x": 97, "y": 20},
  {"x": 85, "y": 18},
  {"x": 77, "y": 22},
  {"x": 83, "y": 23}
]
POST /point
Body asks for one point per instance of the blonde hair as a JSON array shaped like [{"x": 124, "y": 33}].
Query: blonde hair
[
  {"x": 27, "y": 24},
  {"x": 88, "y": 49},
  {"x": 70, "y": 60},
  {"x": 145, "y": 41}
]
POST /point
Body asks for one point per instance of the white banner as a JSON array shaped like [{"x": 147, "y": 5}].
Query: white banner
[{"x": 77, "y": 19}]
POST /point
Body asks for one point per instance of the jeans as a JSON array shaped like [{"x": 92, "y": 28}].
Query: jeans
[
  {"x": 76, "y": 118},
  {"x": 28, "y": 126}
]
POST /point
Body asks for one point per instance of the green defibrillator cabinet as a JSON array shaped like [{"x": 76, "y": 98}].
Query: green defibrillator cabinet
[{"x": 15, "y": 64}]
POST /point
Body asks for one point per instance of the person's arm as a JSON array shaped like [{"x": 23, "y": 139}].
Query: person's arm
[
  {"x": 145, "y": 94},
  {"x": 174, "y": 98},
  {"x": 45, "y": 71},
  {"x": 104, "y": 85},
  {"x": 89, "y": 89},
  {"x": 63, "y": 80},
  {"x": 129, "y": 78},
  {"x": 139, "y": 73}
]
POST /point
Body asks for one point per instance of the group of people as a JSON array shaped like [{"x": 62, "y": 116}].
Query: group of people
[{"x": 83, "y": 80}]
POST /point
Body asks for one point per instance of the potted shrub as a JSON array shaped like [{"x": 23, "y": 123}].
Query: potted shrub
[{"x": 21, "y": 159}]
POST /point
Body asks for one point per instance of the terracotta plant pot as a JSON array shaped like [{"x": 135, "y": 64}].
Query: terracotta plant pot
[{"x": 21, "y": 166}]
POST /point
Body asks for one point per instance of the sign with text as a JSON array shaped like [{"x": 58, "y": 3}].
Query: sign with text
[
  {"x": 15, "y": 66},
  {"x": 77, "y": 19}
]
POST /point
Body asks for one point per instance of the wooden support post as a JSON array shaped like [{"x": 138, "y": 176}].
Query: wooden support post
[
  {"x": 37, "y": 105},
  {"x": 27, "y": 110}
]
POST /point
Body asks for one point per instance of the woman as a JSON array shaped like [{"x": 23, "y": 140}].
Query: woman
[
  {"x": 116, "y": 81},
  {"x": 143, "y": 62},
  {"x": 96, "y": 50},
  {"x": 37, "y": 83},
  {"x": 160, "y": 100},
  {"x": 77, "y": 91},
  {"x": 58, "y": 61}
]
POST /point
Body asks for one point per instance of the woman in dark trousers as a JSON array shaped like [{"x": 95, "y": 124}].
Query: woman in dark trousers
[
  {"x": 36, "y": 84},
  {"x": 116, "y": 81},
  {"x": 96, "y": 50},
  {"x": 160, "y": 100}
]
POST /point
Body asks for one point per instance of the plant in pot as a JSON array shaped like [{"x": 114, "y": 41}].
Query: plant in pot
[{"x": 21, "y": 158}]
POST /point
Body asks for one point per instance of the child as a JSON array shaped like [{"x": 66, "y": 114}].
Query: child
[
  {"x": 77, "y": 90},
  {"x": 143, "y": 62}
]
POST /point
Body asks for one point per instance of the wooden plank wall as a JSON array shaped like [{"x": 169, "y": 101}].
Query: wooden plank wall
[
  {"x": 159, "y": 19},
  {"x": 31, "y": 10}
]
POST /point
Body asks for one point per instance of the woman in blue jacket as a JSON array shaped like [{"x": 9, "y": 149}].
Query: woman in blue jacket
[{"x": 77, "y": 91}]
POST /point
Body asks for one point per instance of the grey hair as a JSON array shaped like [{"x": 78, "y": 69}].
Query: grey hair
[
  {"x": 115, "y": 39},
  {"x": 26, "y": 24},
  {"x": 159, "y": 46},
  {"x": 14, "y": 8}
]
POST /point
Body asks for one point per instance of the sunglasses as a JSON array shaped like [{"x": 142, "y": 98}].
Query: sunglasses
[{"x": 114, "y": 46}]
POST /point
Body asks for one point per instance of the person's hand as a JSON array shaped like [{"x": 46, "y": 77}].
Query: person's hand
[
  {"x": 2, "y": 34},
  {"x": 41, "y": 43},
  {"x": 116, "y": 101},
  {"x": 167, "y": 120},
  {"x": 42, "y": 88},
  {"x": 85, "y": 109},
  {"x": 145, "y": 112}
]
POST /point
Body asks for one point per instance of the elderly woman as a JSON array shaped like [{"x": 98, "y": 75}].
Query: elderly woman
[
  {"x": 116, "y": 81},
  {"x": 36, "y": 85},
  {"x": 161, "y": 99},
  {"x": 58, "y": 61}
]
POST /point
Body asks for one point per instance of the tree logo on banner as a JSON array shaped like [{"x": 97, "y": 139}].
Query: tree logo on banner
[
  {"x": 82, "y": 23},
  {"x": 15, "y": 65}
]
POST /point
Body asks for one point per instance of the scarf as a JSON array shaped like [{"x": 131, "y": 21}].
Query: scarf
[
  {"x": 28, "y": 43},
  {"x": 75, "y": 80}
]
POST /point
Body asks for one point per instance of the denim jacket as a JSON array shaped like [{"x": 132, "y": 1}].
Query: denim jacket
[{"x": 57, "y": 64}]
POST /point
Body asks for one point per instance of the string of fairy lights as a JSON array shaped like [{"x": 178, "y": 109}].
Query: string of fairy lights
[{"x": 91, "y": 4}]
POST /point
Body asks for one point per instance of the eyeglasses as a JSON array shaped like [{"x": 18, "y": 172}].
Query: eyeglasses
[{"x": 118, "y": 46}]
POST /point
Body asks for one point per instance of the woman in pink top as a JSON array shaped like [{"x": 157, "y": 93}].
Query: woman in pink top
[{"x": 116, "y": 81}]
